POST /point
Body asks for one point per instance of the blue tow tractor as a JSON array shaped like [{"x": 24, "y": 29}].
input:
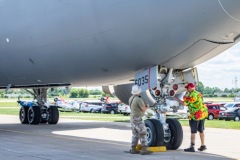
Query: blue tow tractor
[{"x": 34, "y": 113}]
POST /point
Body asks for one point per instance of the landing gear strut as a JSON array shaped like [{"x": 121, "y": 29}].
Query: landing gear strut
[
  {"x": 161, "y": 86},
  {"x": 38, "y": 112}
]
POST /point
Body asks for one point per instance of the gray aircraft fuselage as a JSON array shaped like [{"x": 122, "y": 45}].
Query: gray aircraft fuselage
[{"x": 103, "y": 42}]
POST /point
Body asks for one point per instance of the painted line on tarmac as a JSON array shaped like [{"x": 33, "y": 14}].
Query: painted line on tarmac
[{"x": 68, "y": 138}]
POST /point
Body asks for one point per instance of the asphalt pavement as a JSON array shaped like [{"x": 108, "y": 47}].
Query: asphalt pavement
[{"x": 91, "y": 140}]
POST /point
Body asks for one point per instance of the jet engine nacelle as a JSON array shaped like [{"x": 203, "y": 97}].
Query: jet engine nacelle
[{"x": 123, "y": 93}]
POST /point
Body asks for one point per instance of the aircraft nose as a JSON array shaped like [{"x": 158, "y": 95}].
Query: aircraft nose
[{"x": 231, "y": 8}]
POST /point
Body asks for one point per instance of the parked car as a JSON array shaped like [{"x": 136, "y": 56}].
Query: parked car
[
  {"x": 232, "y": 105},
  {"x": 236, "y": 99},
  {"x": 230, "y": 114},
  {"x": 97, "y": 110},
  {"x": 223, "y": 103},
  {"x": 124, "y": 109},
  {"x": 214, "y": 109},
  {"x": 90, "y": 106},
  {"x": 110, "y": 108}
]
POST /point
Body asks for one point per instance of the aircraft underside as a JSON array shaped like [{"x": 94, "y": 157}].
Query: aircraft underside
[{"x": 92, "y": 43}]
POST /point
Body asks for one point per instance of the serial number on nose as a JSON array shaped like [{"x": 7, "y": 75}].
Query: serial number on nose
[{"x": 141, "y": 80}]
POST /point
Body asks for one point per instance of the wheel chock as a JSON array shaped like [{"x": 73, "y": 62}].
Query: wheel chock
[
  {"x": 158, "y": 149},
  {"x": 153, "y": 149}
]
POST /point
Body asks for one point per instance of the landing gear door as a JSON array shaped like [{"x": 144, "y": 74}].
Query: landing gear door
[{"x": 147, "y": 78}]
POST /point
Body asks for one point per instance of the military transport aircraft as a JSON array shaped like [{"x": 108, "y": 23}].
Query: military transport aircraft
[{"x": 114, "y": 43}]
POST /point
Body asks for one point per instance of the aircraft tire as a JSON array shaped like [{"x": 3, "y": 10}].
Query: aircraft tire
[
  {"x": 34, "y": 115},
  {"x": 176, "y": 134},
  {"x": 159, "y": 141},
  {"x": 151, "y": 132},
  {"x": 53, "y": 115},
  {"x": 23, "y": 115}
]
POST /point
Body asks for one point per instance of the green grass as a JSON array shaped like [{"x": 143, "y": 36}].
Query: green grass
[
  {"x": 9, "y": 110},
  {"x": 219, "y": 99},
  {"x": 121, "y": 118},
  {"x": 12, "y": 108},
  {"x": 95, "y": 116},
  {"x": 216, "y": 124},
  {"x": 8, "y": 104}
]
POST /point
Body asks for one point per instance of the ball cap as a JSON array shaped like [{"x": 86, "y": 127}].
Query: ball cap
[{"x": 191, "y": 85}]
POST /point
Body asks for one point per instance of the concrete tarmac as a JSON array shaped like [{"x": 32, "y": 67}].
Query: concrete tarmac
[{"x": 90, "y": 140}]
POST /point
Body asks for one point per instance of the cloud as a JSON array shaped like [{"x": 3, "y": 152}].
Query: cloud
[{"x": 221, "y": 70}]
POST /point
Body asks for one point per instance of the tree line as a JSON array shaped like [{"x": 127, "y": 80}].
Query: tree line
[
  {"x": 51, "y": 93},
  {"x": 85, "y": 93},
  {"x": 211, "y": 91},
  {"x": 75, "y": 92}
]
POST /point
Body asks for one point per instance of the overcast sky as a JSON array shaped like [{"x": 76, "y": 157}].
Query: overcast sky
[{"x": 221, "y": 70}]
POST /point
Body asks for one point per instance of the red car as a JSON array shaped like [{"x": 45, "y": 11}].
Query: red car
[{"x": 214, "y": 109}]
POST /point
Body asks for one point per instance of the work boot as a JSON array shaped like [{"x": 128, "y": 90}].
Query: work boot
[
  {"x": 134, "y": 150},
  {"x": 202, "y": 148},
  {"x": 145, "y": 151}
]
